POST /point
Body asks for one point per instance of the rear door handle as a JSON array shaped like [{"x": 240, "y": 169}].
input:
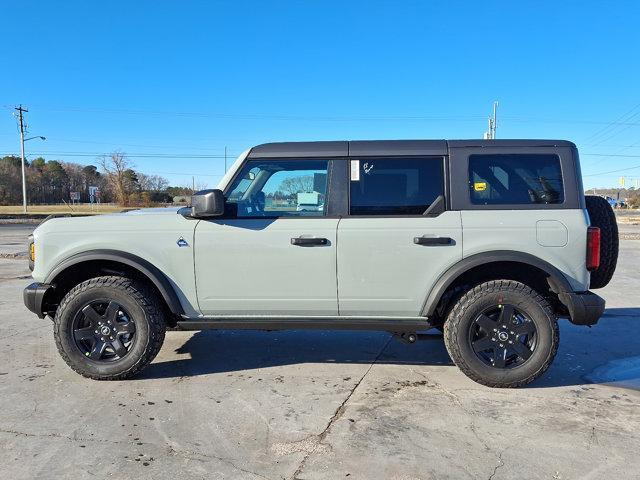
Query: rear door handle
[
  {"x": 433, "y": 240},
  {"x": 309, "y": 241}
]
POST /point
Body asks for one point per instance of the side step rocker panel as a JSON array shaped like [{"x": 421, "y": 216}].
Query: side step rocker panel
[{"x": 389, "y": 324}]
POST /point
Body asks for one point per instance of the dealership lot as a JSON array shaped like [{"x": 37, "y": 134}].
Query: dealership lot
[{"x": 315, "y": 404}]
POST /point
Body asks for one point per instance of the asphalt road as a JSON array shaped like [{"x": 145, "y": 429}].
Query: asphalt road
[
  {"x": 320, "y": 405},
  {"x": 13, "y": 239}
]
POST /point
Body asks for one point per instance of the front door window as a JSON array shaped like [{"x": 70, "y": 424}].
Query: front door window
[{"x": 280, "y": 188}]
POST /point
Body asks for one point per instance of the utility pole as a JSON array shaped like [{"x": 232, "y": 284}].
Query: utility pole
[
  {"x": 225, "y": 159},
  {"x": 490, "y": 134},
  {"x": 21, "y": 110}
]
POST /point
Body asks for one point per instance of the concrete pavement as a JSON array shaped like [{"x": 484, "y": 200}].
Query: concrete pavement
[{"x": 320, "y": 405}]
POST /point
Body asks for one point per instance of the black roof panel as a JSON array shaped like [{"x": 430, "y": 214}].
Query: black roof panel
[
  {"x": 361, "y": 148},
  {"x": 300, "y": 149},
  {"x": 510, "y": 143},
  {"x": 386, "y": 147}
]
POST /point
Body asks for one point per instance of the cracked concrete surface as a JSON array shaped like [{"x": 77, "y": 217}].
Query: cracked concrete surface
[
  {"x": 320, "y": 405},
  {"x": 336, "y": 416}
]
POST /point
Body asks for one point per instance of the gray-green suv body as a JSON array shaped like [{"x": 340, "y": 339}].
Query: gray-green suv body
[{"x": 490, "y": 241}]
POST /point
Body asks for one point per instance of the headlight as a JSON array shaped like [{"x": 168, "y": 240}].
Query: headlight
[{"x": 32, "y": 253}]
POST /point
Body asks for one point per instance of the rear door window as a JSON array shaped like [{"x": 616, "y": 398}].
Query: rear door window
[
  {"x": 395, "y": 186},
  {"x": 515, "y": 179}
]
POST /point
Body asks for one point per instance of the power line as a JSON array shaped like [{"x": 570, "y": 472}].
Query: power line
[
  {"x": 609, "y": 155},
  {"x": 612, "y": 171},
  {"x": 612, "y": 125},
  {"x": 609, "y": 127},
  {"x": 68, "y": 140},
  {"x": 205, "y": 156},
  {"x": 615, "y": 133},
  {"x": 254, "y": 116},
  {"x": 372, "y": 117},
  {"x": 133, "y": 155}
]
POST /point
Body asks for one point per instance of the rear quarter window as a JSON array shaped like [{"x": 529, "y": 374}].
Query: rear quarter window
[{"x": 515, "y": 179}]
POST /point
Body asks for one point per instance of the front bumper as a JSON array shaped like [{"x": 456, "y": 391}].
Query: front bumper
[
  {"x": 585, "y": 308},
  {"x": 33, "y": 297}
]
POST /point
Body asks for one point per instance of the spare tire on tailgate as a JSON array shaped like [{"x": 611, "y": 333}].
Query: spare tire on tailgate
[{"x": 602, "y": 216}]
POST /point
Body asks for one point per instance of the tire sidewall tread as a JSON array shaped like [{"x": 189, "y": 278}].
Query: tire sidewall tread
[
  {"x": 463, "y": 314},
  {"x": 601, "y": 215},
  {"x": 148, "y": 318}
]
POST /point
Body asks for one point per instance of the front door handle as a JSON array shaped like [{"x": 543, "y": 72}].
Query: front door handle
[
  {"x": 433, "y": 240},
  {"x": 309, "y": 241}
]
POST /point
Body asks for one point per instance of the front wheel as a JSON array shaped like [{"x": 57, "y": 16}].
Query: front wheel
[
  {"x": 109, "y": 328},
  {"x": 502, "y": 334}
]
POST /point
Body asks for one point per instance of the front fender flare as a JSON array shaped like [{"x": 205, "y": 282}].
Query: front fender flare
[{"x": 146, "y": 268}]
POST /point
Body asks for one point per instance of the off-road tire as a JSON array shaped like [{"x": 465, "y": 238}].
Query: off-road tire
[
  {"x": 463, "y": 314},
  {"x": 144, "y": 306},
  {"x": 602, "y": 216}
]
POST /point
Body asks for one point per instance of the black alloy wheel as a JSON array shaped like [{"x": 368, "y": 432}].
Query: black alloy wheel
[
  {"x": 103, "y": 331},
  {"x": 503, "y": 337}
]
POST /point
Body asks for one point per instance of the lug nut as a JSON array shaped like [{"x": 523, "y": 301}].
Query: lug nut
[
  {"x": 495, "y": 329},
  {"x": 501, "y": 345}
]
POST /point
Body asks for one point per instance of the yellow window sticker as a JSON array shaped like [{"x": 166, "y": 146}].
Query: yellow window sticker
[{"x": 480, "y": 186}]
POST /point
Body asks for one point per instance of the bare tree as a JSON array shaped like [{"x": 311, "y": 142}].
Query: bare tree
[
  {"x": 294, "y": 185},
  {"x": 152, "y": 183},
  {"x": 193, "y": 188},
  {"x": 115, "y": 167}
]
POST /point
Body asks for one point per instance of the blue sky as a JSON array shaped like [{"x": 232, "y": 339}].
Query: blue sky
[{"x": 189, "y": 78}]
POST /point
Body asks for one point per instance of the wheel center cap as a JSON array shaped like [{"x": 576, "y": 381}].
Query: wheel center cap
[
  {"x": 105, "y": 330},
  {"x": 503, "y": 336}
]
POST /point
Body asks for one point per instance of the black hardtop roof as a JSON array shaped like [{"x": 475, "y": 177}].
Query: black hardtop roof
[{"x": 386, "y": 147}]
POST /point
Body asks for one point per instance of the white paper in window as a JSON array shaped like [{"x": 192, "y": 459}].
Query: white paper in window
[{"x": 355, "y": 170}]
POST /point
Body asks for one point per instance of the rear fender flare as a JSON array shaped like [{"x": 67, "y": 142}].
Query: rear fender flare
[{"x": 556, "y": 279}]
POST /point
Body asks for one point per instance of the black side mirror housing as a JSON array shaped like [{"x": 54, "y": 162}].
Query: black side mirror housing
[{"x": 207, "y": 203}]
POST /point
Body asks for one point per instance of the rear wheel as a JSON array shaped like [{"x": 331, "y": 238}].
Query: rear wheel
[
  {"x": 602, "y": 216},
  {"x": 502, "y": 334},
  {"x": 109, "y": 328}
]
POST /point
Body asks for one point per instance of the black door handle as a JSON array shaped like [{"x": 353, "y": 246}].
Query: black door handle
[
  {"x": 309, "y": 241},
  {"x": 433, "y": 240}
]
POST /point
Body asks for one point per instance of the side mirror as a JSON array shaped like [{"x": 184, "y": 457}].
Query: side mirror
[{"x": 207, "y": 203}]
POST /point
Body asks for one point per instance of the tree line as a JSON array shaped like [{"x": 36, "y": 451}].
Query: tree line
[{"x": 52, "y": 181}]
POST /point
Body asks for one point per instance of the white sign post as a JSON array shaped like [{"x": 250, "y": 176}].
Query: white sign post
[{"x": 94, "y": 195}]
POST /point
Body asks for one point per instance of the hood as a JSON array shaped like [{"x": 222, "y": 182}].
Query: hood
[
  {"x": 141, "y": 219},
  {"x": 152, "y": 211}
]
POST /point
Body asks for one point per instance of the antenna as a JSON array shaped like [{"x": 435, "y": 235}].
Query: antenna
[{"x": 490, "y": 134}]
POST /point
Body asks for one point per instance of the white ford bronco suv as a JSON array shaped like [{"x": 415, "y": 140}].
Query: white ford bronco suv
[{"x": 489, "y": 241}]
